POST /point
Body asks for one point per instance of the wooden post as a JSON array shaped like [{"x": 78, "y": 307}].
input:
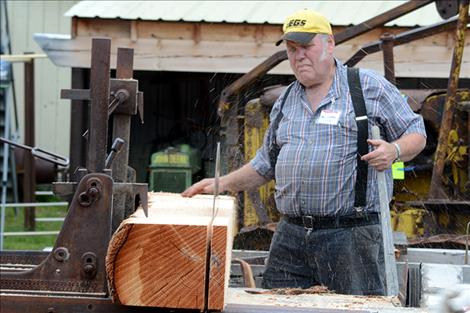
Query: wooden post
[
  {"x": 437, "y": 191},
  {"x": 29, "y": 174}
]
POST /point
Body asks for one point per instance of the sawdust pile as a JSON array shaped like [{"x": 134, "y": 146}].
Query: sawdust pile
[{"x": 298, "y": 291}]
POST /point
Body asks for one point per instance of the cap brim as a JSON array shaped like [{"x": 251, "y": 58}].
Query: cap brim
[{"x": 298, "y": 37}]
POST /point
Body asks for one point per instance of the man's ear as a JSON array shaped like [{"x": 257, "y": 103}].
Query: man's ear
[{"x": 331, "y": 44}]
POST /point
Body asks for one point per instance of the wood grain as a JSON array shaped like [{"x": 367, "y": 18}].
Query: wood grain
[{"x": 160, "y": 261}]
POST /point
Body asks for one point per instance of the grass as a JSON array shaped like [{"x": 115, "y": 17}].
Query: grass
[{"x": 14, "y": 223}]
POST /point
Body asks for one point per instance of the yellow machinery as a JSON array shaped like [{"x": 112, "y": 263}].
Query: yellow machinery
[{"x": 411, "y": 213}]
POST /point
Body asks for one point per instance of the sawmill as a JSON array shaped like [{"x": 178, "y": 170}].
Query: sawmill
[{"x": 130, "y": 241}]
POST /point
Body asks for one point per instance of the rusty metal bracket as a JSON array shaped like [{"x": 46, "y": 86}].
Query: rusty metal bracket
[
  {"x": 91, "y": 225},
  {"x": 137, "y": 191},
  {"x": 125, "y": 91}
]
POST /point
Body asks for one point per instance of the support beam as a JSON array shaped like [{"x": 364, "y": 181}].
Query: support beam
[
  {"x": 436, "y": 191},
  {"x": 29, "y": 174}
]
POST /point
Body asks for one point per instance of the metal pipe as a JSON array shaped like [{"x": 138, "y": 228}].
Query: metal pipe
[
  {"x": 466, "y": 243},
  {"x": 436, "y": 191},
  {"x": 99, "y": 94},
  {"x": 403, "y": 38},
  {"x": 387, "y": 49},
  {"x": 34, "y": 204},
  {"x": 29, "y": 175},
  {"x": 6, "y": 152}
]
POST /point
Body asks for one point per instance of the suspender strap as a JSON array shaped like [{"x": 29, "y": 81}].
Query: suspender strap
[
  {"x": 275, "y": 149},
  {"x": 357, "y": 98}
]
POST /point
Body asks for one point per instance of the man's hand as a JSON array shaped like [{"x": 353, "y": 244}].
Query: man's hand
[
  {"x": 245, "y": 178},
  {"x": 383, "y": 155},
  {"x": 206, "y": 185}
]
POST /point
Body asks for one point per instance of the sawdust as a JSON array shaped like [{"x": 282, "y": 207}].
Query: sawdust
[{"x": 320, "y": 289}]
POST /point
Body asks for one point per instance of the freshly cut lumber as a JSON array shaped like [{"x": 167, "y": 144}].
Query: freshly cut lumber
[{"x": 160, "y": 261}]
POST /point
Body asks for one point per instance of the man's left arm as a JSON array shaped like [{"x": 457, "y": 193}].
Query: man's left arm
[
  {"x": 403, "y": 128},
  {"x": 385, "y": 153}
]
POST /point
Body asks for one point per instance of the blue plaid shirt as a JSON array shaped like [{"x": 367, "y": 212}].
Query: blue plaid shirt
[{"x": 316, "y": 166}]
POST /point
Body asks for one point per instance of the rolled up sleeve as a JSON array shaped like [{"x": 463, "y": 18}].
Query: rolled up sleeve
[{"x": 391, "y": 109}]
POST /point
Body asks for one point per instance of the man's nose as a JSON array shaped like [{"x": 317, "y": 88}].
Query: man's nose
[{"x": 299, "y": 53}]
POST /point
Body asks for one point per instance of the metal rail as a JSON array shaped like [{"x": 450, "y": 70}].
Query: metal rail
[
  {"x": 403, "y": 38},
  {"x": 34, "y": 204},
  {"x": 31, "y": 233}
]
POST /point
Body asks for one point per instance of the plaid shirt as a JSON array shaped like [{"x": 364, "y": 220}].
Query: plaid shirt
[{"x": 316, "y": 166}]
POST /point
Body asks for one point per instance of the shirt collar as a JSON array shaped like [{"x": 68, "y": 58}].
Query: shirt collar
[{"x": 335, "y": 90}]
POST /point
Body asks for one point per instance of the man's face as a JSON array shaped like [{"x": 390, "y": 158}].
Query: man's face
[{"x": 310, "y": 63}]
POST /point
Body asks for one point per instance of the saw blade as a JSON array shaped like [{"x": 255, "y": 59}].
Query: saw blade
[{"x": 210, "y": 229}]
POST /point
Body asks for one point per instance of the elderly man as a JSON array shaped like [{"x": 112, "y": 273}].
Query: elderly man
[{"x": 327, "y": 194}]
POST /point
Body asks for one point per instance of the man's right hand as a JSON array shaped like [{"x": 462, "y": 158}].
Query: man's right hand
[
  {"x": 245, "y": 178},
  {"x": 204, "y": 186}
]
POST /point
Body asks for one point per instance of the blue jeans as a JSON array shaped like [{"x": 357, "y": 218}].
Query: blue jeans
[{"x": 346, "y": 260}]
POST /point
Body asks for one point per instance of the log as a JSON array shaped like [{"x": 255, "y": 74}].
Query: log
[{"x": 160, "y": 261}]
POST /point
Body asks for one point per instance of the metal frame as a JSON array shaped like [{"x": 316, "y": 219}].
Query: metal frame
[{"x": 73, "y": 275}]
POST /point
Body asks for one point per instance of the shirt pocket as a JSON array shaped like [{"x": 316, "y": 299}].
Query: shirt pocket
[{"x": 347, "y": 137}]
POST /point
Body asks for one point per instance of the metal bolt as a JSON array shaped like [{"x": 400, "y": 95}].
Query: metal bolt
[
  {"x": 89, "y": 264},
  {"x": 88, "y": 268},
  {"x": 61, "y": 254},
  {"x": 93, "y": 192},
  {"x": 84, "y": 199}
]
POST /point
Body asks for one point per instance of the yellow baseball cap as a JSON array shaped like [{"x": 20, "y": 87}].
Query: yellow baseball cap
[{"x": 303, "y": 25}]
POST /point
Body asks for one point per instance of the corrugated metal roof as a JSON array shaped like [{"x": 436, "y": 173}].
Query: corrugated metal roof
[{"x": 252, "y": 12}]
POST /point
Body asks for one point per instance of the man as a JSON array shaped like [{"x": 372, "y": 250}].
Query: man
[{"x": 323, "y": 238}]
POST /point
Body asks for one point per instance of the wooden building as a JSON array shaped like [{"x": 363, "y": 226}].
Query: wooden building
[{"x": 186, "y": 53}]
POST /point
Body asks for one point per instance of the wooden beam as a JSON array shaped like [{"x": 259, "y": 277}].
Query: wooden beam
[
  {"x": 428, "y": 57},
  {"x": 160, "y": 261},
  {"x": 20, "y": 58},
  {"x": 133, "y": 31}
]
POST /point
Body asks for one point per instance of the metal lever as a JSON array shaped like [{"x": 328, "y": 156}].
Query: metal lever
[
  {"x": 40, "y": 153},
  {"x": 119, "y": 97},
  {"x": 116, "y": 147}
]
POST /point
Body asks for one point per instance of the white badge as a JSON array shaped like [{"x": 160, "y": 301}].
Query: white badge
[{"x": 329, "y": 117}]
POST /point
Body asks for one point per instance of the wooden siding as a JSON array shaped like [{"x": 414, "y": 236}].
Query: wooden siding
[
  {"x": 52, "y": 114},
  {"x": 237, "y": 48}
]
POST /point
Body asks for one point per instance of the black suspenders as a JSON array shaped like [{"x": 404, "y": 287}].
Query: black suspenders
[{"x": 360, "y": 111}]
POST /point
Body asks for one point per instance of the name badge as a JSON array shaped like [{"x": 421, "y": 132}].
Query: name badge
[{"x": 329, "y": 117}]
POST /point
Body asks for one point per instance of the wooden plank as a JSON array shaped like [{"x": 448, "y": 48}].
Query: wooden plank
[
  {"x": 412, "y": 60},
  {"x": 391, "y": 279},
  {"x": 113, "y": 28},
  {"x": 159, "y": 261},
  {"x": 22, "y": 57}
]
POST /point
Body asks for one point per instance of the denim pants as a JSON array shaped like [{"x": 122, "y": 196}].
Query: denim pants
[{"x": 346, "y": 260}]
